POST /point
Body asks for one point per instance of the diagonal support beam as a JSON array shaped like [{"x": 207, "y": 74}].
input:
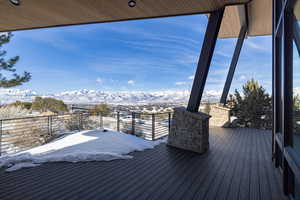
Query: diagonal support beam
[
  {"x": 207, "y": 50},
  {"x": 233, "y": 64}
]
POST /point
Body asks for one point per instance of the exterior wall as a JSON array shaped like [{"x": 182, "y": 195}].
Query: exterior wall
[
  {"x": 220, "y": 116},
  {"x": 189, "y": 131}
]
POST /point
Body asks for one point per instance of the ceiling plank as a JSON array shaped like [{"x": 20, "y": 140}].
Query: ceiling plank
[{"x": 51, "y": 13}]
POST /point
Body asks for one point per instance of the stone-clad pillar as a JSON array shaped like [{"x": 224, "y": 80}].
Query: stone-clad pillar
[
  {"x": 220, "y": 116},
  {"x": 189, "y": 131}
]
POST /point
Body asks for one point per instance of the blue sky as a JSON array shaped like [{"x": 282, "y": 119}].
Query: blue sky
[{"x": 143, "y": 55}]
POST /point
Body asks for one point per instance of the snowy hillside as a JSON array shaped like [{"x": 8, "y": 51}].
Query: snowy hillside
[{"x": 92, "y": 96}]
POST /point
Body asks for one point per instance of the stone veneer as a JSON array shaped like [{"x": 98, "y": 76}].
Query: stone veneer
[
  {"x": 189, "y": 131},
  {"x": 220, "y": 116}
]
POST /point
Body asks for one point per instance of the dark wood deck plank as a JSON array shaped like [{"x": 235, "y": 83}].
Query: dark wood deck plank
[
  {"x": 185, "y": 178},
  {"x": 143, "y": 175},
  {"x": 210, "y": 164},
  {"x": 213, "y": 173},
  {"x": 225, "y": 172},
  {"x": 254, "y": 175},
  {"x": 273, "y": 175},
  {"x": 189, "y": 185},
  {"x": 237, "y": 177},
  {"x": 109, "y": 178},
  {"x": 244, "y": 188},
  {"x": 65, "y": 176},
  {"x": 231, "y": 180},
  {"x": 223, "y": 178},
  {"x": 262, "y": 161}
]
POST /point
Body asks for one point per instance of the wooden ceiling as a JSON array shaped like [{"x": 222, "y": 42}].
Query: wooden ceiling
[
  {"x": 48, "y": 13},
  {"x": 51, "y": 13}
]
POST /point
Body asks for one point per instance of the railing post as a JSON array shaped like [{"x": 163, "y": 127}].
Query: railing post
[
  {"x": 51, "y": 132},
  {"x": 118, "y": 121},
  {"x": 153, "y": 126},
  {"x": 101, "y": 121},
  {"x": 0, "y": 137},
  {"x": 79, "y": 123},
  {"x": 133, "y": 123},
  {"x": 50, "y": 125},
  {"x": 169, "y": 122}
]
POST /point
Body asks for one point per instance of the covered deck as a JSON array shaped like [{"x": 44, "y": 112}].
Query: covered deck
[{"x": 237, "y": 166}]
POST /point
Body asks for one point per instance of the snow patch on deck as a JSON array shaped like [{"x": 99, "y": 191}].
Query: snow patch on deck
[{"x": 83, "y": 146}]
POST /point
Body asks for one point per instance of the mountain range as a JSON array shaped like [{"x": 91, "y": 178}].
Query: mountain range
[{"x": 86, "y": 96}]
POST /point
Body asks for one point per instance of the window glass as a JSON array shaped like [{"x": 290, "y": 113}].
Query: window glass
[{"x": 296, "y": 77}]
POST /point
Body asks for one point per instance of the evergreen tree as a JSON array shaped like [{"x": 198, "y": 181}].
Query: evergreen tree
[
  {"x": 8, "y": 65},
  {"x": 296, "y": 100},
  {"x": 253, "y": 108}
]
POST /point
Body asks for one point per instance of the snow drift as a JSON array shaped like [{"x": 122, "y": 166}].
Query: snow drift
[{"x": 83, "y": 146}]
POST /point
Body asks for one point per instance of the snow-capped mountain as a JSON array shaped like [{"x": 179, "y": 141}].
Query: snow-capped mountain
[{"x": 93, "y": 97}]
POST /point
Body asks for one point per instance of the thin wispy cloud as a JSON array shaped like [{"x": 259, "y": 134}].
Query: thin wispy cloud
[
  {"x": 131, "y": 82},
  {"x": 154, "y": 54},
  {"x": 99, "y": 80},
  {"x": 243, "y": 77},
  {"x": 182, "y": 83},
  {"x": 191, "y": 77}
]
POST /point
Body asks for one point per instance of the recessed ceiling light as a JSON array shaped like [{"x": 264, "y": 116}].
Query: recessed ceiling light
[
  {"x": 15, "y": 2},
  {"x": 131, "y": 3}
]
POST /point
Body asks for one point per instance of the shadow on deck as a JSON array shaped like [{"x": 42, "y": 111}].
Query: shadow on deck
[{"x": 238, "y": 166}]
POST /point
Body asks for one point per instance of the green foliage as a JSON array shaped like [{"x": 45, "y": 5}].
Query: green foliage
[
  {"x": 207, "y": 108},
  {"x": 8, "y": 65},
  {"x": 253, "y": 108},
  {"x": 49, "y": 104},
  {"x": 296, "y": 100},
  {"x": 25, "y": 105},
  {"x": 103, "y": 109},
  {"x": 296, "y": 117}
]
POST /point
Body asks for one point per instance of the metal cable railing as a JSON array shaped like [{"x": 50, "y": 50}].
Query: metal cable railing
[{"x": 20, "y": 134}]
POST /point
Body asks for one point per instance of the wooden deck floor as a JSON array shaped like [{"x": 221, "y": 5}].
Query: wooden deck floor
[{"x": 238, "y": 166}]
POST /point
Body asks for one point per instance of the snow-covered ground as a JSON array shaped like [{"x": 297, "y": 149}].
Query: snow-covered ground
[{"x": 83, "y": 146}]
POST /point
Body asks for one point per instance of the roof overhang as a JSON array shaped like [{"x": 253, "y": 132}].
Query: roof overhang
[
  {"x": 33, "y": 14},
  {"x": 50, "y": 13},
  {"x": 258, "y": 15}
]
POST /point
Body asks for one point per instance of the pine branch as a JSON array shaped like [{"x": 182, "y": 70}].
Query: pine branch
[
  {"x": 9, "y": 66},
  {"x": 16, "y": 81}
]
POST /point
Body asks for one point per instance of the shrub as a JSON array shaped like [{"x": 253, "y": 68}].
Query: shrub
[
  {"x": 25, "y": 105},
  {"x": 80, "y": 122},
  {"x": 8, "y": 112},
  {"x": 127, "y": 128},
  {"x": 30, "y": 138},
  {"x": 102, "y": 109},
  {"x": 72, "y": 124},
  {"x": 49, "y": 104}
]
